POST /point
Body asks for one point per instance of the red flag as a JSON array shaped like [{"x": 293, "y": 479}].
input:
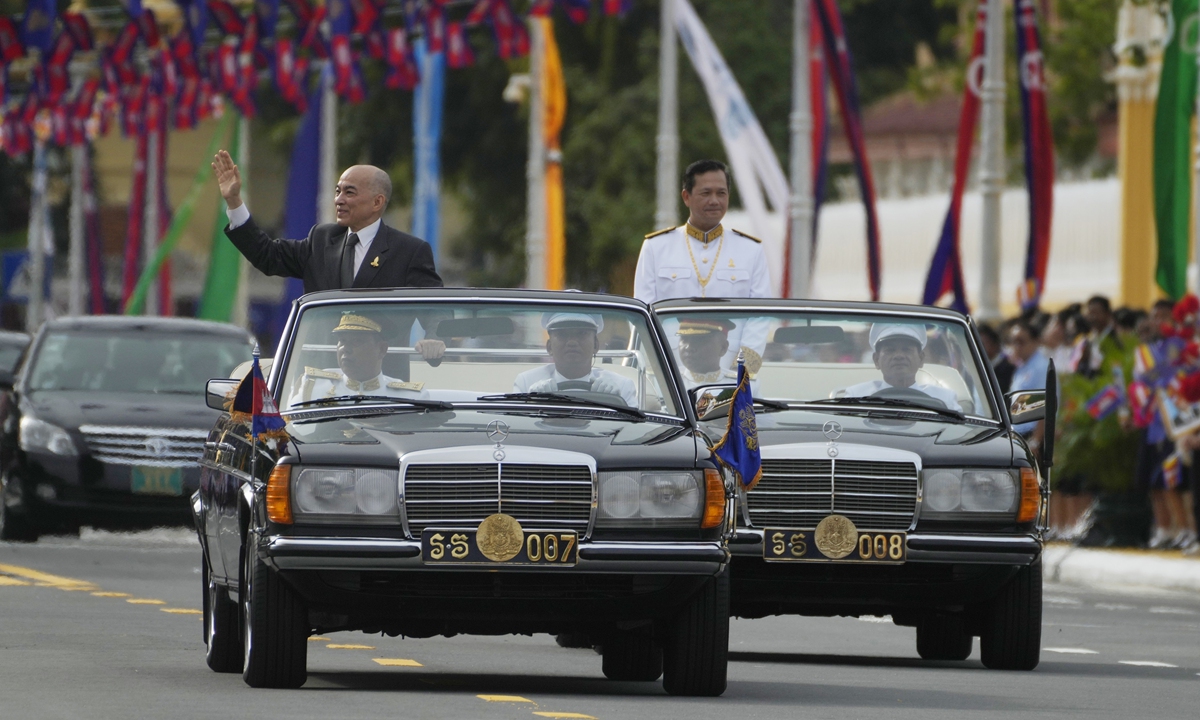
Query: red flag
[
  {"x": 148, "y": 28},
  {"x": 402, "y": 68},
  {"x": 458, "y": 50},
  {"x": 137, "y": 212},
  {"x": 1039, "y": 150},
  {"x": 228, "y": 20},
  {"x": 367, "y": 16},
  {"x": 121, "y": 50},
  {"x": 435, "y": 29},
  {"x": 10, "y": 41},
  {"x": 76, "y": 25}
]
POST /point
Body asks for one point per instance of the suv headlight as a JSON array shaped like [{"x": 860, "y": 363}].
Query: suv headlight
[
  {"x": 332, "y": 494},
  {"x": 41, "y": 436},
  {"x": 649, "y": 499},
  {"x": 959, "y": 492}
]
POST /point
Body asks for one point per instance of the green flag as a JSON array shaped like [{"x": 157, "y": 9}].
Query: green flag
[
  {"x": 1173, "y": 149},
  {"x": 221, "y": 283}
]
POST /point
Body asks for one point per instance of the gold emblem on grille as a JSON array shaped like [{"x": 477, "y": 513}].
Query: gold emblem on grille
[
  {"x": 500, "y": 537},
  {"x": 836, "y": 537}
]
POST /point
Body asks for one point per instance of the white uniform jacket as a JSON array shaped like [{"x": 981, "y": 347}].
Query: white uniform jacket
[
  {"x": 332, "y": 382},
  {"x": 547, "y": 378},
  {"x": 732, "y": 265},
  {"x": 934, "y": 391}
]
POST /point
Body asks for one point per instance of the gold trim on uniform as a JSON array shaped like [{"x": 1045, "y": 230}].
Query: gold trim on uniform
[
  {"x": 708, "y": 377},
  {"x": 319, "y": 373},
  {"x": 753, "y": 361},
  {"x": 704, "y": 237},
  {"x": 361, "y": 387},
  {"x": 351, "y": 322},
  {"x": 746, "y": 235},
  {"x": 401, "y": 385},
  {"x": 664, "y": 231}
]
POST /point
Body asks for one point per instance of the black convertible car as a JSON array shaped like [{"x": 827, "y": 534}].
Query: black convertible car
[
  {"x": 468, "y": 461},
  {"x": 893, "y": 480},
  {"x": 105, "y": 425}
]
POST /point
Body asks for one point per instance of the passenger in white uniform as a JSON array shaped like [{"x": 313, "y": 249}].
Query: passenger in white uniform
[
  {"x": 702, "y": 344},
  {"x": 899, "y": 352},
  {"x": 361, "y": 347},
  {"x": 573, "y": 344}
]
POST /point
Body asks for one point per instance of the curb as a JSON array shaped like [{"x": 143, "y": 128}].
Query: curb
[{"x": 1120, "y": 569}]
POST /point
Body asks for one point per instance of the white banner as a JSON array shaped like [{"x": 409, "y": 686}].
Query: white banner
[{"x": 751, "y": 158}]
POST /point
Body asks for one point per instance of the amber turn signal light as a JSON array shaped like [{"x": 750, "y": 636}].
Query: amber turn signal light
[
  {"x": 279, "y": 495},
  {"x": 1031, "y": 496},
  {"x": 714, "y": 499}
]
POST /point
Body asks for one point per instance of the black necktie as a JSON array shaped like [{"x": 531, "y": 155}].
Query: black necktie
[{"x": 348, "y": 260}]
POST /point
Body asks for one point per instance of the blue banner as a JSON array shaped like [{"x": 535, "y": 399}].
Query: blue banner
[
  {"x": 303, "y": 189},
  {"x": 428, "y": 98}
]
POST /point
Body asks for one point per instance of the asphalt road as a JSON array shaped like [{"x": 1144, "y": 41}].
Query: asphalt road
[{"x": 108, "y": 626}]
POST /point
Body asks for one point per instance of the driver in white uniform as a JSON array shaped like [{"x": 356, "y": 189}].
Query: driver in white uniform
[
  {"x": 361, "y": 347},
  {"x": 899, "y": 354},
  {"x": 573, "y": 344}
]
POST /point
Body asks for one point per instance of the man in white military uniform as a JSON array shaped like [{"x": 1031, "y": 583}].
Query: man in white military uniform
[
  {"x": 703, "y": 259},
  {"x": 573, "y": 344},
  {"x": 702, "y": 344},
  {"x": 899, "y": 352},
  {"x": 361, "y": 347}
]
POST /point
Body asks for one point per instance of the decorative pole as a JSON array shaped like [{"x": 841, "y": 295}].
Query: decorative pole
[
  {"x": 75, "y": 257},
  {"x": 801, "y": 125},
  {"x": 241, "y": 304},
  {"x": 991, "y": 165},
  {"x": 328, "y": 171},
  {"x": 35, "y": 309},
  {"x": 667, "y": 185},
  {"x": 535, "y": 169},
  {"x": 150, "y": 226}
]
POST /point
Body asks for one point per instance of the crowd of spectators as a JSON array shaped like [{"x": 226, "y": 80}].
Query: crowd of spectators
[{"x": 1125, "y": 473}]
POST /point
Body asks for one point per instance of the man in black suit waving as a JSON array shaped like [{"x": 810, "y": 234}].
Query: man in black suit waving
[{"x": 356, "y": 251}]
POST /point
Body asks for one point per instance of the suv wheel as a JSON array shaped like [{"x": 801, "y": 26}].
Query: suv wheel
[
  {"x": 221, "y": 638},
  {"x": 1012, "y": 623},
  {"x": 13, "y": 528},
  {"x": 696, "y": 654},
  {"x": 943, "y": 637},
  {"x": 634, "y": 656},
  {"x": 274, "y": 627}
]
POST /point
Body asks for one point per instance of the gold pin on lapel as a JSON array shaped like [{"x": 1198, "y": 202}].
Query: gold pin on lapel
[{"x": 375, "y": 262}]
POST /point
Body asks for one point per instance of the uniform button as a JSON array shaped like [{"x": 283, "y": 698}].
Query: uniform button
[{"x": 672, "y": 276}]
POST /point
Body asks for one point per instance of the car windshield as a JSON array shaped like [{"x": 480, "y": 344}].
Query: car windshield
[
  {"x": 137, "y": 362},
  {"x": 834, "y": 358},
  {"x": 476, "y": 350}
]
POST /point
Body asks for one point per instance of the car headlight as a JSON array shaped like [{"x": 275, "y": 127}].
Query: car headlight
[
  {"x": 41, "y": 436},
  {"x": 958, "y": 492},
  {"x": 328, "y": 494},
  {"x": 649, "y": 499}
]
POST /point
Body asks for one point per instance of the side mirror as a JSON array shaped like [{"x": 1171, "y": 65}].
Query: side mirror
[
  {"x": 711, "y": 401},
  {"x": 1025, "y": 406},
  {"x": 7, "y": 379},
  {"x": 219, "y": 391}
]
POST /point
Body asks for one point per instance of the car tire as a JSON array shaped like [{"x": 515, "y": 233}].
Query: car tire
[
  {"x": 274, "y": 628},
  {"x": 1012, "y": 623},
  {"x": 943, "y": 637},
  {"x": 222, "y": 631},
  {"x": 696, "y": 652},
  {"x": 633, "y": 657},
  {"x": 574, "y": 640},
  {"x": 13, "y": 528}
]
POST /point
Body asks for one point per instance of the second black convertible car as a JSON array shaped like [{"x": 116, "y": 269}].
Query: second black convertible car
[
  {"x": 894, "y": 479},
  {"x": 468, "y": 461},
  {"x": 105, "y": 425}
]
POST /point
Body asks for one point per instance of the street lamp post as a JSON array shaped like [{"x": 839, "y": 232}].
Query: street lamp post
[
  {"x": 667, "y": 178},
  {"x": 991, "y": 165},
  {"x": 801, "y": 125}
]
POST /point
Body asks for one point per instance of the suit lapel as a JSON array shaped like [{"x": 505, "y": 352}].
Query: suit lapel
[
  {"x": 333, "y": 257},
  {"x": 376, "y": 257}
]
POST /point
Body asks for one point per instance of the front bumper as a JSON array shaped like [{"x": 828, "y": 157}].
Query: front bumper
[
  {"x": 931, "y": 548},
  {"x": 321, "y": 553}
]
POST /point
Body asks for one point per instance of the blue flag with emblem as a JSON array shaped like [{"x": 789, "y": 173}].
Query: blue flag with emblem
[{"x": 738, "y": 448}]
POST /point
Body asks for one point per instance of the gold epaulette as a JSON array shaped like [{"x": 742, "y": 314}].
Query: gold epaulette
[
  {"x": 401, "y": 385},
  {"x": 745, "y": 235},
  {"x": 319, "y": 373},
  {"x": 656, "y": 233}
]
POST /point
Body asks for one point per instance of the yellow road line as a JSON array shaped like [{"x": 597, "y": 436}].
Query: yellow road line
[
  {"x": 552, "y": 714},
  {"x": 146, "y": 601},
  {"x": 6, "y": 580},
  {"x": 505, "y": 698},
  {"x": 350, "y": 646},
  {"x": 182, "y": 611},
  {"x": 105, "y": 593},
  {"x": 45, "y": 579},
  {"x": 397, "y": 662},
  {"x": 318, "y": 638}
]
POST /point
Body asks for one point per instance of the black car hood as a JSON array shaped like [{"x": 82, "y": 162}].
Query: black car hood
[
  {"x": 72, "y": 408},
  {"x": 946, "y": 444},
  {"x": 381, "y": 440}
]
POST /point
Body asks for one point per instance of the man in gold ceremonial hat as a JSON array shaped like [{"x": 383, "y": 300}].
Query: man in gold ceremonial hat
[
  {"x": 362, "y": 343},
  {"x": 702, "y": 344}
]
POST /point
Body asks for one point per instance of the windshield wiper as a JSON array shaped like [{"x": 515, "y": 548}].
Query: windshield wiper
[
  {"x": 888, "y": 402},
  {"x": 561, "y": 399},
  {"x": 427, "y": 404},
  {"x": 773, "y": 404}
]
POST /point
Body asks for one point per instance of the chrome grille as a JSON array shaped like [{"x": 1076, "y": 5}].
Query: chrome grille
[
  {"x": 800, "y": 493},
  {"x": 548, "y": 496},
  {"x": 156, "y": 447}
]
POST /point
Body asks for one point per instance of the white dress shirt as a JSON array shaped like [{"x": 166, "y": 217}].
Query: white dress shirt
[
  {"x": 936, "y": 392},
  {"x": 239, "y": 215},
  {"x": 547, "y": 378}
]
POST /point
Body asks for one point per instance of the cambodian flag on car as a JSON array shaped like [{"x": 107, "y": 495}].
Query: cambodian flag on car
[
  {"x": 738, "y": 449},
  {"x": 253, "y": 401}
]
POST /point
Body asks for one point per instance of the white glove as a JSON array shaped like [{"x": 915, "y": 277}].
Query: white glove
[
  {"x": 604, "y": 384},
  {"x": 548, "y": 385}
]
